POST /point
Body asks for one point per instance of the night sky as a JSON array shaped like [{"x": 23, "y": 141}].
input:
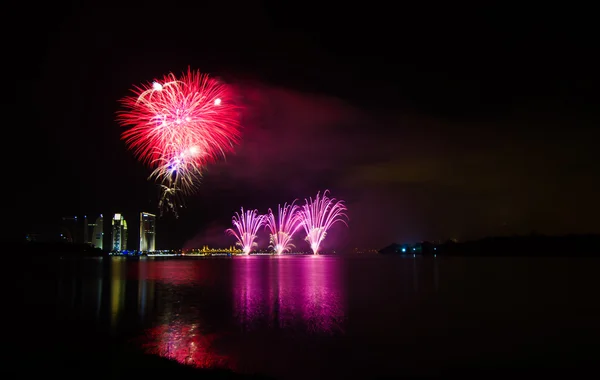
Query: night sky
[{"x": 431, "y": 123}]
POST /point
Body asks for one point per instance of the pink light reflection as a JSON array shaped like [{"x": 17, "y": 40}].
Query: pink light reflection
[
  {"x": 177, "y": 272},
  {"x": 303, "y": 293},
  {"x": 186, "y": 344},
  {"x": 323, "y": 308}
]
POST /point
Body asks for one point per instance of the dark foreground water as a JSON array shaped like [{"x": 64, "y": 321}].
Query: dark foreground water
[{"x": 318, "y": 317}]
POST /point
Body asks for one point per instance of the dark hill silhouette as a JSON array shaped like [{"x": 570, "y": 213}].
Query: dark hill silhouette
[
  {"x": 527, "y": 245},
  {"x": 391, "y": 249}
]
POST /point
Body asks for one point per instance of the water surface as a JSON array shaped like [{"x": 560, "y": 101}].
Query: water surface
[{"x": 303, "y": 316}]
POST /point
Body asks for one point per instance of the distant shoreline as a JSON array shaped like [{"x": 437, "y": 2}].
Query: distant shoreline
[
  {"x": 505, "y": 246},
  {"x": 501, "y": 246}
]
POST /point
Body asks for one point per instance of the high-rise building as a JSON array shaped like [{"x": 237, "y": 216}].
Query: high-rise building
[
  {"x": 147, "y": 231},
  {"x": 98, "y": 232},
  {"x": 73, "y": 229},
  {"x": 88, "y": 230},
  {"x": 119, "y": 233}
]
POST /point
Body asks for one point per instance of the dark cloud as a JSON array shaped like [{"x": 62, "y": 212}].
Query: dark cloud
[{"x": 290, "y": 135}]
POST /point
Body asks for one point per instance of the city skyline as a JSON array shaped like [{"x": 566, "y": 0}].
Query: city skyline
[{"x": 79, "y": 230}]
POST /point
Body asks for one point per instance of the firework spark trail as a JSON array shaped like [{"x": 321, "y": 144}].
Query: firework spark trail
[
  {"x": 246, "y": 227},
  {"x": 179, "y": 125},
  {"x": 283, "y": 227},
  {"x": 169, "y": 199},
  {"x": 319, "y": 215}
]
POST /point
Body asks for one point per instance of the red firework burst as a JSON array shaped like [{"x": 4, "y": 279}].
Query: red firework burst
[{"x": 178, "y": 125}]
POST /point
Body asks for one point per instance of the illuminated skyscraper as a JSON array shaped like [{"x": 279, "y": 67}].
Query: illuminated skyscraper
[
  {"x": 98, "y": 233},
  {"x": 147, "y": 231},
  {"x": 119, "y": 233}
]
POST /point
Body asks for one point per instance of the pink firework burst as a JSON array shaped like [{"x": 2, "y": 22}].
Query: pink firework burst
[
  {"x": 319, "y": 215},
  {"x": 246, "y": 226},
  {"x": 178, "y": 125},
  {"x": 283, "y": 227}
]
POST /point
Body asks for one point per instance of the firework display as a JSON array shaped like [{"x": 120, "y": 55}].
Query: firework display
[
  {"x": 318, "y": 216},
  {"x": 315, "y": 216},
  {"x": 246, "y": 226},
  {"x": 283, "y": 227},
  {"x": 179, "y": 125}
]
